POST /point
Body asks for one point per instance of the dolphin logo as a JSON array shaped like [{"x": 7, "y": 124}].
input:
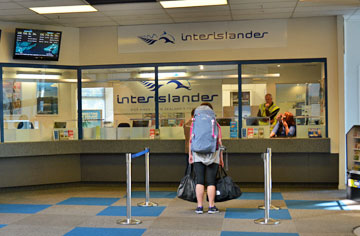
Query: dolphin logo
[
  {"x": 180, "y": 85},
  {"x": 152, "y": 39},
  {"x": 150, "y": 86}
]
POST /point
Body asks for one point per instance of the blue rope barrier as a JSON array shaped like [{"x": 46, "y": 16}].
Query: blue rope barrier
[{"x": 140, "y": 153}]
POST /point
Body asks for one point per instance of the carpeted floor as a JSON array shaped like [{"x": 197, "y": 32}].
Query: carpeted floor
[{"x": 95, "y": 209}]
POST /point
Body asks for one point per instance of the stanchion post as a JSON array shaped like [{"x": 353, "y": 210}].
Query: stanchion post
[
  {"x": 147, "y": 202},
  {"x": 128, "y": 220},
  {"x": 272, "y": 207},
  {"x": 267, "y": 194}
]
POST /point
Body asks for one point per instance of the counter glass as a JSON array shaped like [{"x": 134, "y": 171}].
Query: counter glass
[
  {"x": 183, "y": 88},
  {"x": 36, "y": 101},
  {"x": 118, "y": 103},
  {"x": 298, "y": 88}
]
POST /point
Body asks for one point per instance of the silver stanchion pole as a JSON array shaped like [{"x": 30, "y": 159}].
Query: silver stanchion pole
[
  {"x": 147, "y": 202},
  {"x": 272, "y": 207},
  {"x": 128, "y": 220},
  {"x": 267, "y": 184}
]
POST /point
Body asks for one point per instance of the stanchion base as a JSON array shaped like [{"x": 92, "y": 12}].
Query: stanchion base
[
  {"x": 272, "y": 207},
  {"x": 269, "y": 221},
  {"x": 147, "y": 204},
  {"x": 356, "y": 230},
  {"x": 129, "y": 222}
]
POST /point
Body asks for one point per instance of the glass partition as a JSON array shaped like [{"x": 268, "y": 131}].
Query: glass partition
[
  {"x": 183, "y": 88},
  {"x": 39, "y": 104},
  {"x": 297, "y": 88},
  {"x": 118, "y": 103}
]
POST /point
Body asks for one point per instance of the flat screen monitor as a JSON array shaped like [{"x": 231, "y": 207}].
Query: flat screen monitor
[
  {"x": 224, "y": 121},
  {"x": 140, "y": 123},
  {"x": 60, "y": 125},
  {"x": 33, "y": 44}
]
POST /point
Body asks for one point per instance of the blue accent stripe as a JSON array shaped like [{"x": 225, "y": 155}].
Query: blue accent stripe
[
  {"x": 91, "y": 201},
  {"x": 153, "y": 194},
  {"x": 135, "y": 211},
  {"x": 79, "y": 94},
  {"x": 2, "y": 226},
  {"x": 81, "y": 231},
  {"x": 1, "y": 110},
  {"x": 253, "y": 213},
  {"x": 22, "y": 208},
  {"x": 234, "y": 233},
  {"x": 260, "y": 196},
  {"x": 140, "y": 153},
  {"x": 316, "y": 205}
]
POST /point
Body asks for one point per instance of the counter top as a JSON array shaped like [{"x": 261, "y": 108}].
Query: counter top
[{"x": 278, "y": 145}]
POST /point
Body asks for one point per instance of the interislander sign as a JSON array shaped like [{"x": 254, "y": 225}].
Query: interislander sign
[{"x": 202, "y": 36}]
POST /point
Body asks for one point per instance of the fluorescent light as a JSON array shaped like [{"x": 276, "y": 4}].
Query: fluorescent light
[
  {"x": 63, "y": 9},
  {"x": 36, "y": 76},
  {"x": 192, "y": 3},
  {"x": 275, "y": 75},
  {"x": 162, "y": 75}
]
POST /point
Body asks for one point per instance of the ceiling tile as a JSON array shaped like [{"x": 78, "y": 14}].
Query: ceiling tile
[
  {"x": 9, "y": 5},
  {"x": 322, "y": 13},
  {"x": 80, "y": 20},
  {"x": 140, "y": 17},
  {"x": 74, "y": 15},
  {"x": 138, "y": 12},
  {"x": 201, "y": 14},
  {"x": 260, "y": 11},
  {"x": 322, "y": 8},
  {"x": 10, "y": 12},
  {"x": 146, "y": 22},
  {"x": 23, "y": 17},
  {"x": 132, "y": 6},
  {"x": 234, "y": 2},
  {"x": 262, "y": 16},
  {"x": 51, "y": 3},
  {"x": 91, "y": 24},
  {"x": 263, "y": 5},
  {"x": 203, "y": 19}
]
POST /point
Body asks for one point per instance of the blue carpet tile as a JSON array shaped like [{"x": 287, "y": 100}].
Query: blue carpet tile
[
  {"x": 81, "y": 231},
  {"x": 22, "y": 208},
  {"x": 316, "y": 205},
  {"x": 259, "y": 196},
  {"x": 253, "y": 213},
  {"x": 135, "y": 211},
  {"x": 2, "y": 226},
  {"x": 92, "y": 201},
  {"x": 153, "y": 194},
  {"x": 233, "y": 233}
]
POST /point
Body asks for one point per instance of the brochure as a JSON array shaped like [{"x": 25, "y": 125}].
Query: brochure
[{"x": 250, "y": 132}]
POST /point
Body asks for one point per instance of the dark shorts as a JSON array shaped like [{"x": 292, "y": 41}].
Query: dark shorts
[{"x": 202, "y": 171}]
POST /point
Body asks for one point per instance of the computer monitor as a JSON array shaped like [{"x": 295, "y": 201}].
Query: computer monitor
[
  {"x": 59, "y": 125},
  {"x": 224, "y": 121},
  {"x": 140, "y": 123}
]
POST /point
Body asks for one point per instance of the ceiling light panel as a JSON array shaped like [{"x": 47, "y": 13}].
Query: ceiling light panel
[
  {"x": 51, "y": 3},
  {"x": 192, "y": 3},
  {"x": 63, "y": 9}
]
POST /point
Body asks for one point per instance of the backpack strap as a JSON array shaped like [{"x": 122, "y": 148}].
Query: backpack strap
[{"x": 220, "y": 135}]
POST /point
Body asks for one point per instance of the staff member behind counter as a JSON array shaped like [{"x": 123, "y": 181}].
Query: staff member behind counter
[{"x": 268, "y": 109}]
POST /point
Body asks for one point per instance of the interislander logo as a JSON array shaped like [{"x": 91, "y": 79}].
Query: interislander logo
[
  {"x": 151, "y": 39},
  {"x": 179, "y": 85}
]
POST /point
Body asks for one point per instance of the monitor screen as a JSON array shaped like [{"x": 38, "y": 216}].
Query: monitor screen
[
  {"x": 140, "y": 123},
  {"x": 37, "y": 44},
  {"x": 60, "y": 125},
  {"x": 224, "y": 121}
]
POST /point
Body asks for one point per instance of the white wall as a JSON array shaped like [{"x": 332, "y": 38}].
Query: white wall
[
  {"x": 352, "y": 76},
  {"x": 307, "y": 38},
  {"x": 69, "y": 48}
]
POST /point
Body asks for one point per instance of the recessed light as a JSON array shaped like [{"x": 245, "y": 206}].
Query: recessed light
[
  {"x": 192, "y": 3},
  {"x": 63, "y": 9}
]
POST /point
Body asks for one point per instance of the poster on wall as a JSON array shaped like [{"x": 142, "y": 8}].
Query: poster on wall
[
  {"x": 47, "y": 98},
  {"x": 11, "y": 98},
  {"x": 91, "y": 118}
]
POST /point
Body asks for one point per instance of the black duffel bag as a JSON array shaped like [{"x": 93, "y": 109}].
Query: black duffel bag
[
  {"x": 226, "y": 189},
  {"x": 187, "y": 187}
]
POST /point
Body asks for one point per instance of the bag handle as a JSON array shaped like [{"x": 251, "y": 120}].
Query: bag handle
[{"x": 221, "y": 173}]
